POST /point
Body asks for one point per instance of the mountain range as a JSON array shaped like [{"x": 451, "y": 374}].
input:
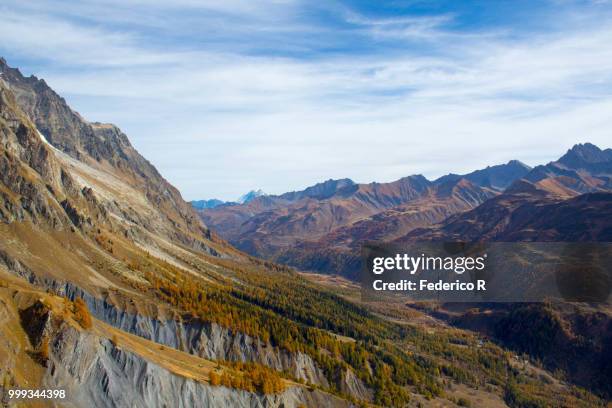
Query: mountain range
[
  {"x": 114, "y": 290},
  {"x": 323, "y": 227},
  {"x": 213, "y": 202}
]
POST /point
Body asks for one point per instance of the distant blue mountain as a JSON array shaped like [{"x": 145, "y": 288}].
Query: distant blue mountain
[
  {"x": 212, "y": 203},
  {"x": 203, "y": 204}
]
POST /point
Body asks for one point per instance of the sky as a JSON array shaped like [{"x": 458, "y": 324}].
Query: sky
[{"x": 227, "y": 96}]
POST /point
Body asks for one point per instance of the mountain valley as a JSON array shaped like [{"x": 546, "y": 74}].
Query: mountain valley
[{"x": 113, "y": 289}]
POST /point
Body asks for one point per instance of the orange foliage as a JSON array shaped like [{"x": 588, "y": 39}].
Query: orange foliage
[
  {"x": 250, "y": 377},
  {"x": 81, "y": 313},
  {"x": 44, "y": 349},
  {"x": 215, "y": 380}
]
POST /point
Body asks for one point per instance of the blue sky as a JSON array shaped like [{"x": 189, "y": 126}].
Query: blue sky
[{"x": 228, "y": 96}]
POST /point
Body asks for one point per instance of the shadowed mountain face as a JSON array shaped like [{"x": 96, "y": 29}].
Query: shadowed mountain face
[
  {"x": 524, "y": 217},
  {"x": 323, "y": 190},
  {"x": 495, "y": 177},
  {"x": 322, "y": 227}
]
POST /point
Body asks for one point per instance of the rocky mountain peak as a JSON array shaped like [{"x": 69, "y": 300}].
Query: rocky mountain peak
[
  {"x": 100, "y": 149},
  {"x": 584, "y": 154},
  {"x": 517, "y": 164},
  {"x": 497, "y": 177},
  {"x": 321, "y": 191},
  {"x": 250, "y": 196}
]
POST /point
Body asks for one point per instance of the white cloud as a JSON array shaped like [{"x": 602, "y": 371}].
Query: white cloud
[{"x": 218, "y": 120}]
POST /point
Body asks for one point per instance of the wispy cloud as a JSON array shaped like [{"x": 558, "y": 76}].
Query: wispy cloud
[{"x": 228, "y": 96}]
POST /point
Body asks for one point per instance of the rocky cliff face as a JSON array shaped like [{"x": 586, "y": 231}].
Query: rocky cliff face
[
  {"x": 97, "y": 155},
  {"x": 97, "y": 371},
  {"x": 207, "y": 340}
]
